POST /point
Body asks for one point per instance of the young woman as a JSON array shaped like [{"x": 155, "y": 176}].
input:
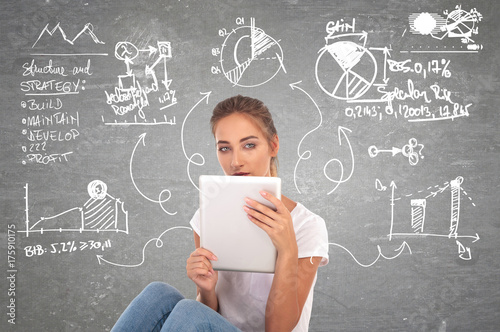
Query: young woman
[{"x": 247, "y": 145}]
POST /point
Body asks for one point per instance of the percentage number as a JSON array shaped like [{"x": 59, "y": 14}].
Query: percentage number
[
  {"x": 440, "y": 67},
  {"x": 66, "y": 247}
]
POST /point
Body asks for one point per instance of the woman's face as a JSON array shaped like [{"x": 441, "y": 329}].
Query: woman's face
[{"x": 242, "y": 147}]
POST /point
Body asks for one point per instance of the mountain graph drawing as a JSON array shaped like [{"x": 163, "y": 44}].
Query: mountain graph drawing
[{"x": 58, "y": 31}]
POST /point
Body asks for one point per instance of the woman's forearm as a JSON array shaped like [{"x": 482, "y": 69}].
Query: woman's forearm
[
  {"x": 282, "y": 310},
  {"x": 209, "y": 299}
]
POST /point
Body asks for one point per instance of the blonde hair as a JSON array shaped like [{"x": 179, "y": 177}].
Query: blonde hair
[{"x": 253, "y": 108}]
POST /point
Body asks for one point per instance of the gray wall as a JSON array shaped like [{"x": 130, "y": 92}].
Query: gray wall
[{"x": 387, "y": 117}]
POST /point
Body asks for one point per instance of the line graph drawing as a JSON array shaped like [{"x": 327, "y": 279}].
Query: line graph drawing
[
  {"x": 100, "y": 213},
  {"x": 249, "y": 57},
  {"x": 57, "y": 33}
]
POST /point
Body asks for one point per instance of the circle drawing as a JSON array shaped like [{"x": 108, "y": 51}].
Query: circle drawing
[
  {"x": 97, "y": 189},
  {"x": 249, "y": 57},
  {"x": 345, "y": 70}
]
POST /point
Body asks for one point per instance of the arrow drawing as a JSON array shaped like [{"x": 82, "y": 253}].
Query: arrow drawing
[
  {"x": 306, "y": 154},
  {"x": 408, "y": 150},
  {"x": 380, "y": 255},
  {"x": 342, "y": 131},
  {"x": 162, "y": 193},
  {"x": 159, "y": 244},
  {"x": 205, "y": 97}
]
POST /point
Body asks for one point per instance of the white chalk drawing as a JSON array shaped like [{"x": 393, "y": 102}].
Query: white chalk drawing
[
  {"x": 457, "y": 24},
  {"x": 342, "y": 132},
  {"x": 58, "y": 33},
  {"x": 349, "y": 70},
  {"x": 249, "y": 57},
  {"x": 161, "y": 200},
  {"x": 399, "y": 251},
  {"x": 345, "y": 69},
  {"x": 131, "y": 98},
  {"x": 158, "y": 242},
  {"x": 412, "y": 151},
  {"x": 61, "y": 248},
  {"x": 100, "y": 213},
  {"x": 418, "y": 212},
  {"x": 191, "y": 159}
]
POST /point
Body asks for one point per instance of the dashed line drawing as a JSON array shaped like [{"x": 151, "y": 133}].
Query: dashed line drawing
[
  {"x": 100, "y": 213},
  {"x": 249, "y": 57},
  {"x": 58, "y": 31},
  {"x": 412, "y": 151},
  {"x": 191, "y": 160},
  {"x": 162, "y": 193},
  {"x": 158, "y": 242}
]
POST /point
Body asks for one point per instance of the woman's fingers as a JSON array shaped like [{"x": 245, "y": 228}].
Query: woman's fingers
[
  {"x": 257, "y": 216},
  {"x": 199, "y": 263},
  {"x": 204, "y": 253}
]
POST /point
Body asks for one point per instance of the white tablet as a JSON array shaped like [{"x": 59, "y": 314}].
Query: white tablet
[{"x": 225, "y": 229}]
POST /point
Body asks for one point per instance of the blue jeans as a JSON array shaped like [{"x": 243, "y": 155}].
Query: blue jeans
[{"x": 160, "y": 307}]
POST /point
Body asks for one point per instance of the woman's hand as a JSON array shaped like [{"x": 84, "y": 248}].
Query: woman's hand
[
  {"x": 199, "y": 269},
  {"x": 277, "y": 224}
]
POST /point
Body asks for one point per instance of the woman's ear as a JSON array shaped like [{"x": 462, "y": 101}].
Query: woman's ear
[{"x": 275, "y": 145}]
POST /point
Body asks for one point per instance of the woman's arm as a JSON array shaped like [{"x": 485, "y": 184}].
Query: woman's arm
[
  {"x": 293, "y": 277},
  {"x": 289, "y": 293},
  {"x": 199, "y": 269}
]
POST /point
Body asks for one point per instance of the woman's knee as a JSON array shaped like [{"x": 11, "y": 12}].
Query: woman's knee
[{"x": 160, "y": 290}]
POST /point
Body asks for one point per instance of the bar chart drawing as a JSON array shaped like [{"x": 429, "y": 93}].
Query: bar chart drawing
[
  {"x": 100, "y": 213},
  {"x": 418, "y": 214}
]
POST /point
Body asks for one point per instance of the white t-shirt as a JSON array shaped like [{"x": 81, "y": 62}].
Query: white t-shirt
[{"x": 243, "y": 296}]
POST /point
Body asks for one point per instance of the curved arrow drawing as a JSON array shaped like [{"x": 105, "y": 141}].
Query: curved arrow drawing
[
  {"x": 341, "y": 130},
  {"x": 191, "y": 159},
  {"x": 159, "y": 200},
  {"x": 380, "y": 255},
  {"x": 306, "y": 154},
  {"x": 159, "y": 244}
]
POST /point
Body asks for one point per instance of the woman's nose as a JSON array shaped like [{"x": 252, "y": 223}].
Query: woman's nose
[{"x": 236, "y": 160}]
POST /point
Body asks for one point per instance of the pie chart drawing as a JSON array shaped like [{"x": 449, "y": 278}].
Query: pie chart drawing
[
  {"x": 249, "y": 57},
  {"x": 345, "y": 70}
]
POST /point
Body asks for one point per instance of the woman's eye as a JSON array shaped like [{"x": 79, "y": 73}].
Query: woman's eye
[
  {"x": 223, "y": 149},
  {"x": 249, "y": 145}
]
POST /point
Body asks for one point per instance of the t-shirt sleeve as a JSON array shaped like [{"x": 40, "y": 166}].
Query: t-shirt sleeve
[
  {"x": 312, "y": 237},
  {"x": 195, "y": 222}
]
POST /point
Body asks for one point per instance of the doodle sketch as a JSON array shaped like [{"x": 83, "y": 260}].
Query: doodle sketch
[
  {"x": 100, "y": 213},
  {"x": 249, "y": 57}
]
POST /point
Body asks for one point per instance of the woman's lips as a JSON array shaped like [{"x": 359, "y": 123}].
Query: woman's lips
[{"x": 241, "y": 174}]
